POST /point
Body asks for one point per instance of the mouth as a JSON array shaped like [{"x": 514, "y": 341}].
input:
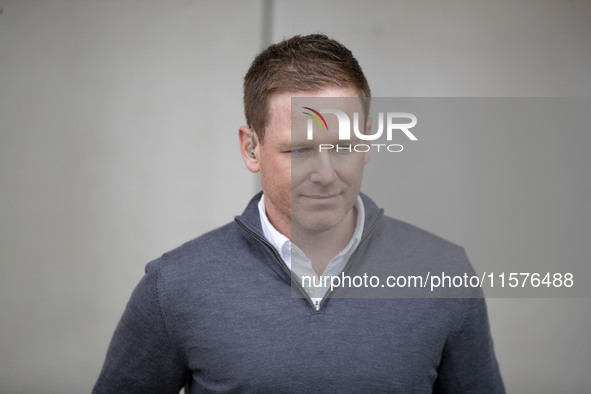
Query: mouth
[{"x": 321, "y": 197}]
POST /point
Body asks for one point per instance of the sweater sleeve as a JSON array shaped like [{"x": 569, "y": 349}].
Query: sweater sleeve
[
  {"x": 141, "y": 356},
  {"x": 468, "y": 363}
]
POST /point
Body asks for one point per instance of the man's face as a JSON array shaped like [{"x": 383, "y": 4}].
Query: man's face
[{"x": 307, "y": 191}]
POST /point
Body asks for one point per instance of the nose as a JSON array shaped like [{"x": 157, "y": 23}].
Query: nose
[{"x": 323, "y": 169}]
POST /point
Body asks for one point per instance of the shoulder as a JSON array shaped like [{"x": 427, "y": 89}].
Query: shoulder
[
  {"x": 210, "y": 255},
  {"x": 414, "y": 241},
  {"x": 403, "y": 237},
  {"x": 210, "y": 244},
  {"x": 403, "y": 250},
  {"x": 412, "y": 232}
]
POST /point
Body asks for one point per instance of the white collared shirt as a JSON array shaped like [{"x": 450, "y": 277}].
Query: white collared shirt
[{"x": 296, "y": 260}]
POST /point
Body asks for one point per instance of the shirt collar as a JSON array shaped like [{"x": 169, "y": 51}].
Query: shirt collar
[{"x": 283, "y": 245}]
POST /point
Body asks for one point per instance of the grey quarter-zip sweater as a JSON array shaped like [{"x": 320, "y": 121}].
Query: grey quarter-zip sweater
[{"x": 219, "y": 315}]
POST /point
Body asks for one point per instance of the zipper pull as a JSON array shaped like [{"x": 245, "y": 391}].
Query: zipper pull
[{"x": 317, "y": 305}]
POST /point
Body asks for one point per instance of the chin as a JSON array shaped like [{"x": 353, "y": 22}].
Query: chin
[{"x": 318, "y": 225}]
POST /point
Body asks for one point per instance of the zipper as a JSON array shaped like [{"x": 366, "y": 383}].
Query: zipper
[
  {"x": 348, "y": 265},
  {"x": 316, "y": 305},
  {"x": 278, "y": 257}
]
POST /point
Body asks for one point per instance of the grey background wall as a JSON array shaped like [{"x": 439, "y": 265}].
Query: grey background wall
[{"x": 118, "y": 125}]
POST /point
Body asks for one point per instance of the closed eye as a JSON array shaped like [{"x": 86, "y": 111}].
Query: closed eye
[{"x": 299, "y": 151}]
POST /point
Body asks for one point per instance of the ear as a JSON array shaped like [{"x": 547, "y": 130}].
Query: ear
[{"x": 249, "y": 143}]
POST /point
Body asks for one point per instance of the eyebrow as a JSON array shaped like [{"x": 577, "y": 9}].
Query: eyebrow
[
  {"x": 283, "y": 145},
  {"x": 301, "y": 143}
]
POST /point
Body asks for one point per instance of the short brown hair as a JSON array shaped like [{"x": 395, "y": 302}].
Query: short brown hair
[{"x": 298, "y": 64}]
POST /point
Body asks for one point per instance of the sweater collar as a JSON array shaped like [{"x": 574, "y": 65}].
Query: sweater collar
[{"x": 250, "y": 217}]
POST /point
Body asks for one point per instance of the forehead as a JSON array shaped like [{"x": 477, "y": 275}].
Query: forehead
[{"x": 280, "y": 108}]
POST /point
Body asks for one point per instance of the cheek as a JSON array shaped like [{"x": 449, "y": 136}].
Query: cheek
[
  {"x": 276, "y": 173},
  {"x": 352, "y": 171},
  {"x": 298, "y": 174}
]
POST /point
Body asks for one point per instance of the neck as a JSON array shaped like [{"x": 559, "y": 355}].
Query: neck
[
  {"x": 319, "y": 246},
  {"x": 322, "y": 246}
]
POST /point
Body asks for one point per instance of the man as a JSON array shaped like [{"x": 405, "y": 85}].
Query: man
[{"x": 217, "y": 315}]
